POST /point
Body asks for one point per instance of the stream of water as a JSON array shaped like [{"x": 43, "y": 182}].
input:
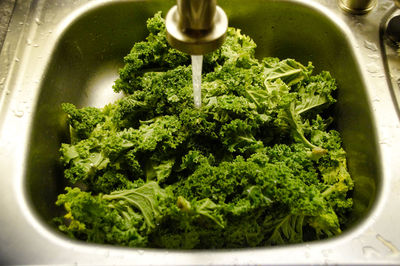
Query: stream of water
[{"x": 197, "y": 63}]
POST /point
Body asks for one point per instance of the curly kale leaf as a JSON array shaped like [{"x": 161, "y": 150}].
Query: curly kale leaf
[
  {"x": 83, "y": 162},
  {"x": 144, "y": 198},
  {"x": 237, "y": 48},
  {"x": 82, "y": 121},
  {"x": 93, "y": 219},
  {"x": 205, "y": 207},
  {"x": 289, "y": 71},
  {"x": 122, "y": 151},
  {"x": 287, "y": 229},
  {"x": 122, "y": 217},
  {"x": 239, "y": 136},
  {"x": 154, "y": 53},
  {"x": 314, "y": 94}
]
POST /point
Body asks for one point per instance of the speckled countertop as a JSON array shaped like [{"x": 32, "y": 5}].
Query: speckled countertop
[{"x": 6, "y": 8}]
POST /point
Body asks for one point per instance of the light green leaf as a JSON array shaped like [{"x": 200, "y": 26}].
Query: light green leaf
[{"x": 144, "y": 198}]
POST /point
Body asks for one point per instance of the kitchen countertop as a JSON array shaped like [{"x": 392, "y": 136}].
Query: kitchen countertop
[
  {"x": 42, "y": 63},
  {"x": 6, "y": 8}
]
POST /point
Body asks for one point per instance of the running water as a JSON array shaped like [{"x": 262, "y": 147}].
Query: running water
[{"x": 197, "y": 63}]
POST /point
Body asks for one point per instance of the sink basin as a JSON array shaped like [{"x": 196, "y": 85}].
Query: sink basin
[{"x": 57, "y": 52}]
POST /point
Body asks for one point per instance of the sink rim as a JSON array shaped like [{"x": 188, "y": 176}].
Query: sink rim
[{"x": 63, "y": 241}]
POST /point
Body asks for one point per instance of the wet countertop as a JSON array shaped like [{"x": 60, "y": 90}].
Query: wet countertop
[{"x": 6, "y": 8}]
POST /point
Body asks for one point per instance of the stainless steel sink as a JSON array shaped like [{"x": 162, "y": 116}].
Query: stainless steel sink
[{"x": 59, "y": 52}]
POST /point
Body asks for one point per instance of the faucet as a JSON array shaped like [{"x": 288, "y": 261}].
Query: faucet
[
  {"x": 196, "y": 27},
  {"x": 357, "y": 7},
  {"x": 360, "y": 7}
]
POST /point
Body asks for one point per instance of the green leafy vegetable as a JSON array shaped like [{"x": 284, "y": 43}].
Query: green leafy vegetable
[
  {"x": 144, "y": 198},
  {"x": 258, "y": 164}
]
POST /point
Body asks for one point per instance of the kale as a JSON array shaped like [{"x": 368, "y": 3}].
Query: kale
[{"x": 258, "y": 164}]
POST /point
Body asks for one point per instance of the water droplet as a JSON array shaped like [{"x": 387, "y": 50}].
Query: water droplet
[
  {"x": 374, "y": 56},
  {"x": 372, "y": 68},
  {"x": 28, "y": 42},
  {"x": 2, "y": 81},
  {"x": 359, "y": 26},
  {"x": 383, "y": 141},
  {"x": 376, "y": 100},
  {"x": 370, "y": 46},
  {"x": 21, "y": 23},
  {"x": 385, "y": 6},
  {"x": 326, "y": 252},
  {"x": 36, "y": 45},
  {"x": 140, "y": 251},
  {"x": 389, "y": 245},
  {"x": 18, "y": 113},
  {"x": 37, "y": 20},
  {"x": 370, "y": 252},
  {"x": 16, "y": 59},
  {"x": 8, "y": 92}
]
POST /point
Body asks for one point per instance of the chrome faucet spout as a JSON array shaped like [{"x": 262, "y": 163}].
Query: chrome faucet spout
[
  {"x": 196, "y": 15},
  {"x": 196, "y": 27}
]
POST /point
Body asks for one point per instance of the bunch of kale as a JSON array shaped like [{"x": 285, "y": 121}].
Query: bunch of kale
[{"x": 256, "y": 165}]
